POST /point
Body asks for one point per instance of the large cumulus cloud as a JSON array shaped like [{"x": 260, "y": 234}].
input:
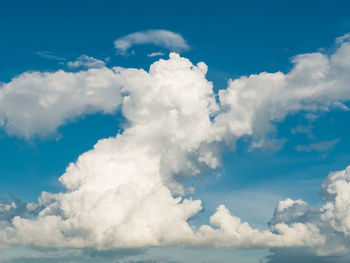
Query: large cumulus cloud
[{"x": 126, "y": 191}]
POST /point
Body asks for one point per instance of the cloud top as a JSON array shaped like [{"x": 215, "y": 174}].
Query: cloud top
[{"x": 163, "y": 38}]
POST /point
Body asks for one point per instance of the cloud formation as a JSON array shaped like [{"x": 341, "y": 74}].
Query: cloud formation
[
  {"x": 126, "y": 193},
  {"x": 332, "y": 219},
  {"x": 86, "y": 62},
  {"x": 36, "y": 103},
  {"x": 163, "y": 38}
]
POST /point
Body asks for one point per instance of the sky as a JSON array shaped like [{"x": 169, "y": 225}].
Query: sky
[{"x": 187, "y": 131}]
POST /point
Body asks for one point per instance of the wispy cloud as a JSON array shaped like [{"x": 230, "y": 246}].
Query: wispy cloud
[
  {"x": 323, "y": 146},
  {"x": 340, "y": 105},
  {"x": 49, "y": 55},
  {"x": 155, "y": 54},
  {"x": 163, "y": 38}
]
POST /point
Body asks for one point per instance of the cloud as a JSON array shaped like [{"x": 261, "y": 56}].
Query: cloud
[
  {"x": 342, "y": 39},
  {"x": 49, "y": 55},
  {"x": 170, "y": 133},
  {"x": 71, "y": 255},
  {"x": 314, "y": 84},
  {"x": 155, "y": 54},
  {"x": 332, "y": 219},
  {"x": 163, "y": 38},
  {"x": 341, "y": 106},
  {"x": 86, "y": 62},
  {"x": 323, "y": 146},
  {"x": 36, "y": 103},
  {"x": 126, "y": 192}
]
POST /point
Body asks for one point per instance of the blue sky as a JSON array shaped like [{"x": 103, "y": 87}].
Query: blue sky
[{"x": 290, "y": 159}]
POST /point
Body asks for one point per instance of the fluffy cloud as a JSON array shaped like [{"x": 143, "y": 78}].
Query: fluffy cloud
[
  {"x": 126, "y": 192},
  {"x": 315, "y": 83},
  {"x": 332, "y": 219},
  {"x": 36, "y": 103},
  {"x": 164, "y": 38}
]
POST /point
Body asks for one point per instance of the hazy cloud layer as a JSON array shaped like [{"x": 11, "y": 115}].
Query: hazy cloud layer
[
  {"x": 124, "y": 193},
  {"x": 163, "y": 38},
  {"x": 323, "y": 146}
]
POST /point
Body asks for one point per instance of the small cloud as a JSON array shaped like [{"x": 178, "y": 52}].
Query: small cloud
[
  {"x": 48, "y": 55},
  {"x": 272, "y": 145},
  {"x": 311, "y": 116},
  {"x": 323, "y": 146},
  {"x": 163, "y": 38},
  {"x": 342, "y": 39},
  {"x": 156, "y": 54},
  {"x": 86, "y": 62},
  {"x": 341, "y": 106},
  {"x": 302, "y": 129}
]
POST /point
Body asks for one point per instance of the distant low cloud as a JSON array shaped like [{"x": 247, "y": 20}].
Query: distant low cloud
[
  {"x": 332, "y": 220},
  {"x": 86, "y": 62},
  {"x": 163, "y": 38}
]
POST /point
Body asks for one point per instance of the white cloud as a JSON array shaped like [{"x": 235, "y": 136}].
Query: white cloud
[
  {"x": 332, "y": 219},
  {"x": 155, "y": 54},
  {"x": 86, "y": 62},
  {"x": 314, "y": 84},
  {"x": 164, "y": 38},
  {"x": 36, "y": 103},
  {"x": 124, "y": 192}
]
